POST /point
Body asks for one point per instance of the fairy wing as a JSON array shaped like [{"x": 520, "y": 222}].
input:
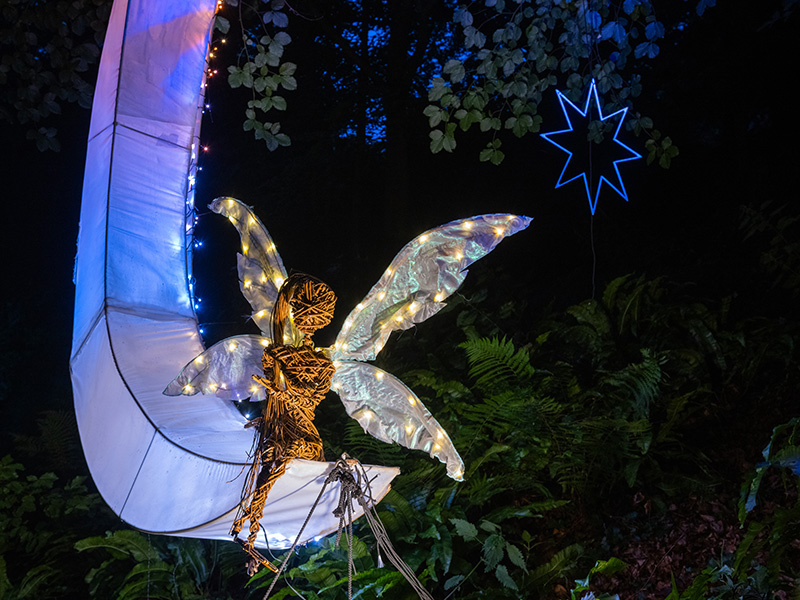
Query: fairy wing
[
  {"x": 422, "y": 275},
  {"x": 261, "y": 270},
  {"x": 388, "y": 410},
  {"x": 224, "y": 370},
  {"x": 425, "y": 272}
]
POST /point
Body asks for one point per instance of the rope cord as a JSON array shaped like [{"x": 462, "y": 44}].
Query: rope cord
[{"x": 350, "y": 474}]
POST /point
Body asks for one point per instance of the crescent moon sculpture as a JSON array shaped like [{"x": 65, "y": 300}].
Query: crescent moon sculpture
[{"x": 164, "y": 465}]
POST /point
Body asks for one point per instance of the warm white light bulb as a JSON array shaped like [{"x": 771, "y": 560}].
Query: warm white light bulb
[
  {"x": 378, "y": 375},
  {"x": 231, "y": 346},
  {"x": 412, "y": 401},
  {"x": 439, "y": 297},
  {"x": 467, "y": 224}
]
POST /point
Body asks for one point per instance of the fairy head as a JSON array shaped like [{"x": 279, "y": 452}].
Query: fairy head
[{"x": 309, "y": 301}]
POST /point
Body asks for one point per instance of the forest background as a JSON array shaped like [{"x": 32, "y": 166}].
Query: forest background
[{"x": 623, "y": 387}]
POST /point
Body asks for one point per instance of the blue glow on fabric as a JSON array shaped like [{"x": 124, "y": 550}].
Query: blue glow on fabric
[{"x": 592, "y": 192}]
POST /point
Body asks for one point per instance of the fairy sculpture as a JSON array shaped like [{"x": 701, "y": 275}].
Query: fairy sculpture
[{"x": 283, "y": 367}]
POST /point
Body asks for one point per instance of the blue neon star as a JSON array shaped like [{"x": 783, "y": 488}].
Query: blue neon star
[{"x": 586, "y": 114}]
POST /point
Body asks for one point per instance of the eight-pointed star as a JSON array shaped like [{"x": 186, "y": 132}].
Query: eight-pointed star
[{"x": 587, "y": 159}]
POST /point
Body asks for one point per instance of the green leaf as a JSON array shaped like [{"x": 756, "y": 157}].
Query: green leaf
[
  {"x": 434, "y": 114},
  {"x": 493, "y": 548},
  {"x": 465, "y": 529},
  {"x": 287, "y": 69},
  {"x": 222, "y": 24},
  {"x": 455, "y": 70},
  {"x": 289, "y": 83},
  {"x": 453, "y": 582},
  {"x": 503, "y": 577},
  {"x": 515, "y": 556},
  {"x": 279, "y": 102},
  {"x": 437, "y": 140}
]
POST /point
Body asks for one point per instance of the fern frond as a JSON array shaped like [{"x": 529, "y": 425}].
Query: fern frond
[
  {"x": 495, "y": 361},
  {"x": 638, "y": 383},
  {"x": 556, "y": 566}
]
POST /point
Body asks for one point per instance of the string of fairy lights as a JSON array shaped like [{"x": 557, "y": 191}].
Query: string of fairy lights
[{"x": 191, "y": 216}]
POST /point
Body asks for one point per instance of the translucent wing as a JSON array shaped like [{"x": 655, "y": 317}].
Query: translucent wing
[
  {"x": 261, "y": 270},
  {"x": 388, "y": 410},
  {"x": 424, "y": 273},
  {"x": 225, "y": 370}
]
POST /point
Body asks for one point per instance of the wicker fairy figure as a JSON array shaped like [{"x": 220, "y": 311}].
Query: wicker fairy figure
[
  {"x": 293, "y": 376},
  {"x": 296, "y": 379}
]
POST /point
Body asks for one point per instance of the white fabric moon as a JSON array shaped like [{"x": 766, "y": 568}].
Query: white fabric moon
[{"x": 164, "y": 465}]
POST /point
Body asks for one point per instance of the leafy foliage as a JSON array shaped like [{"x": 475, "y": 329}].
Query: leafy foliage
[
  {"x": 513, "y": 52},
  {"x": 39, "y": 522},
  {"x": 261, "y": 67},
  {"x": 48, "y": 51},
  {"x": 138, "y": 565}
]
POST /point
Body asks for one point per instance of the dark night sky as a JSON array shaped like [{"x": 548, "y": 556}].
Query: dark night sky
[{"x": 724, "y": 99}]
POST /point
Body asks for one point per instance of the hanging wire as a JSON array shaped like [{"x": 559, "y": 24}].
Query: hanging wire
[{"x": 590, "y": 38}]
